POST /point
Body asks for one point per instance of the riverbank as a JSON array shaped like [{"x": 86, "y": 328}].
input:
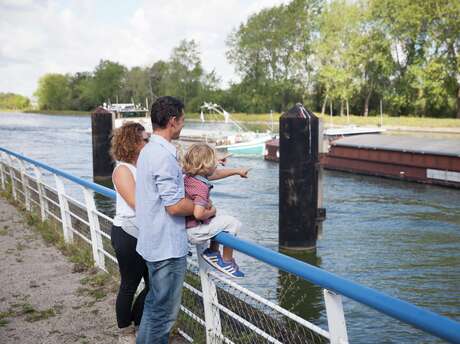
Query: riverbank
[
  {"x": 45, "y": 297},
  {"x": 389, "y": 122},
  {"x": 424, "y": 124},
  {"x": 60, "y": 112}
]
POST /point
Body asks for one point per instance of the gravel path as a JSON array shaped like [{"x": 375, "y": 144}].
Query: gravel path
[{"x": 42, "y": 298}]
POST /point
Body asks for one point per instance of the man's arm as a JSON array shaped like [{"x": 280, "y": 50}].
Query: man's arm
[
  {"x": 171, "y": 193},
  {"x": 182, "y": 208}
]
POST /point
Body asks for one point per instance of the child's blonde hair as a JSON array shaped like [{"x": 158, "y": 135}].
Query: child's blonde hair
[{"x": 199, "y": 159}]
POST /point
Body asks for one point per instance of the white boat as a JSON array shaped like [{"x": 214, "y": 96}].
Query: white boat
[
  {"x": 241, "y": 142},
  {"x": 238, "y": 141},
  {"x": 123, "y": 112},
  {"x": 352, "y": 130}
]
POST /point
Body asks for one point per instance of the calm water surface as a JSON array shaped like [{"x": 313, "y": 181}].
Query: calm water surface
[{"x": 399, "y": 238}]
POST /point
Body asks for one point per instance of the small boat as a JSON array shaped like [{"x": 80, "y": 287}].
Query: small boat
[
  {"x": 352, "y": 130},
  {"x": 238, "y": 142},
  {"x": 123, "y": 112}
]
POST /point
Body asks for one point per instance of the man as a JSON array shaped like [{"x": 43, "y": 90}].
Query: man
[{"x": 161, "y": 208}]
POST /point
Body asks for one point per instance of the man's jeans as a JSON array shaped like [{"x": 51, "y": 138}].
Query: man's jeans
[{"x": 163, "y": 300}]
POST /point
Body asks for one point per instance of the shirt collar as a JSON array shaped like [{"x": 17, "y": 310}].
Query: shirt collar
[{"x": 165, "y": 143}]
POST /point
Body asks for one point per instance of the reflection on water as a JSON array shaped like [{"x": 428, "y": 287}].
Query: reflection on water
[
  {"x": 104, "y": 204},
  {"x": 297, "y": 295},
  {"x": 397, "y": 237}
]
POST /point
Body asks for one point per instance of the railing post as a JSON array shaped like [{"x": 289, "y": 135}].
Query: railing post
[
  {"x": 13, "y": 181},
  {"x": 335, "y": 317},
  {"x": 25, "y": 184},
  {"x": 321, "y": 152},
  {"x": 95, "y": 229},
  {"x": 41, "y": 193},
  {"x": 210, "y": 300},
  {"x": 64, "y": 205},
  {"x": 2, "y": 171}
]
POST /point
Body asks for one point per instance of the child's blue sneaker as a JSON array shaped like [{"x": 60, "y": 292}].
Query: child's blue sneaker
[
  {"x": 212, "y": 257},
  {"x": 229, "y": 268}
]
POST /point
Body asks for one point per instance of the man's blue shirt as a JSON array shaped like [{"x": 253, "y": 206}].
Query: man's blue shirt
[{"x": 159, "y": 183}]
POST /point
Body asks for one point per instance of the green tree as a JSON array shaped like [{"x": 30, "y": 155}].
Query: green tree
[
  {"x": 338, "y": 72},
  {"x": 444, "y": 29},
  {"x": 107, "y": 82},
  {"x": 136, "y": 85},
  {"x": 426, "y": 43},
  {"x": 271, "y": 53},
  {"x": 183, "y": 76},
  {"x": 12, "y": 101},
  {"x": 185, "y": 71},
  {"x": 158, "y": 77},
  {"x": 81, "y": 92},
  {"x": 53, "y": 92},
  {"x": 370, "y": 54}
]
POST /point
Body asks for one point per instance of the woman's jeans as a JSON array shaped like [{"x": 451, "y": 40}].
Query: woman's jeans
[
  {"x": 163, "y": 300},
  {"x": 132, "y": 268}
]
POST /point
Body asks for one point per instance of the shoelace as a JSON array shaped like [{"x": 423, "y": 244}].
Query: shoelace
[{"x": 235, "y": 265}]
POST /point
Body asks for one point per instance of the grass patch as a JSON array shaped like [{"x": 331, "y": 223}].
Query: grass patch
[
  {"x": 77, "y": 252},
  {"x": 80, "y": 255},
  {"x": 3, "y": 231},
  {"x": 4, "y": 317},
  {"x": 30, "y": 313},
  {"x": 388, "y": 120},
  {"x": 21, "y": 246},
  {"x": 97, "y": 285}
]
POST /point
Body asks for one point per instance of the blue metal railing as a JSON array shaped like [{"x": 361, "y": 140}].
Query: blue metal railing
[{"x": 408, "y": 313}]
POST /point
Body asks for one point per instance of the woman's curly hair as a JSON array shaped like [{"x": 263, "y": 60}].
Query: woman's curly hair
[
  {"x": 199, "y": 159},
  {"x": 125, "y": 142}
]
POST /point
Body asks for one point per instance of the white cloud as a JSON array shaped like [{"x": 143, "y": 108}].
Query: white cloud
[{"x": 38, "y": 37}]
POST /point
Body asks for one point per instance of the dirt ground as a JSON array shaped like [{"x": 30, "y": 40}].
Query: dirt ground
[{"x": 42, "y": 298}]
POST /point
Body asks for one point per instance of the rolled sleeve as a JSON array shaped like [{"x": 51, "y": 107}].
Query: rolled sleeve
[
  {"x": 201, "y": 201},
  {"x": 170, "y": 184}
]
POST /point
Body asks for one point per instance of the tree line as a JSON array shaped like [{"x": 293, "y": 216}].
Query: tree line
[
  {"x": 12, "y": 101},
  {"x": 334, "y": 56}
]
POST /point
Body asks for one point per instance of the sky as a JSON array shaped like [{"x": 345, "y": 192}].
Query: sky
[{"x": 38, "y": 37}]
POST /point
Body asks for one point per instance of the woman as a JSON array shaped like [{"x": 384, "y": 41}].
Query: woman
[{"x": 127, "y": 142}]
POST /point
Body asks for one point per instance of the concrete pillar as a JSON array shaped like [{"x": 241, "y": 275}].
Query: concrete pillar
[
  {"x": 298, "y": 179},
  {"x": 102, "y": 126}
]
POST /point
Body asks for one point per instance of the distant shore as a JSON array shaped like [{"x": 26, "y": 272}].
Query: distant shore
[
  {"x": 50, "y": 112},
  {"x": 59, "y": 112},
  {"x": 393, "y": 123}
]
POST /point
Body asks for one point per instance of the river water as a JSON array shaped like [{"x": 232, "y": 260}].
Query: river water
[{"x": 400, "y": 238}]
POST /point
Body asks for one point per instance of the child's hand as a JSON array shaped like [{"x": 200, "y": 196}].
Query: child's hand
[
  {"x": 223, "y": 160},
  {"x": 212, "y": 212},
  {"x": 209, "y": 205},
  {"x": 243, "y": 172}
]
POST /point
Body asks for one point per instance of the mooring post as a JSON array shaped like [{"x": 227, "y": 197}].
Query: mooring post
[
  {"x": 101, "y": 126},
  {"x": 298, "y": 179}
]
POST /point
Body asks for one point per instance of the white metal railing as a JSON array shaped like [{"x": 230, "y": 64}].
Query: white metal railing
[
  {"x": 212, "y": 320},
  {"x": 214, "y": 309}
]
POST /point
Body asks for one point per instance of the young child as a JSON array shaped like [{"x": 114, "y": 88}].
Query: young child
[{"x": 199, "y": 163}]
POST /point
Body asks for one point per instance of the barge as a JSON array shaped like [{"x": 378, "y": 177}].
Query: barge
[{"x": 417, "y": 159}]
